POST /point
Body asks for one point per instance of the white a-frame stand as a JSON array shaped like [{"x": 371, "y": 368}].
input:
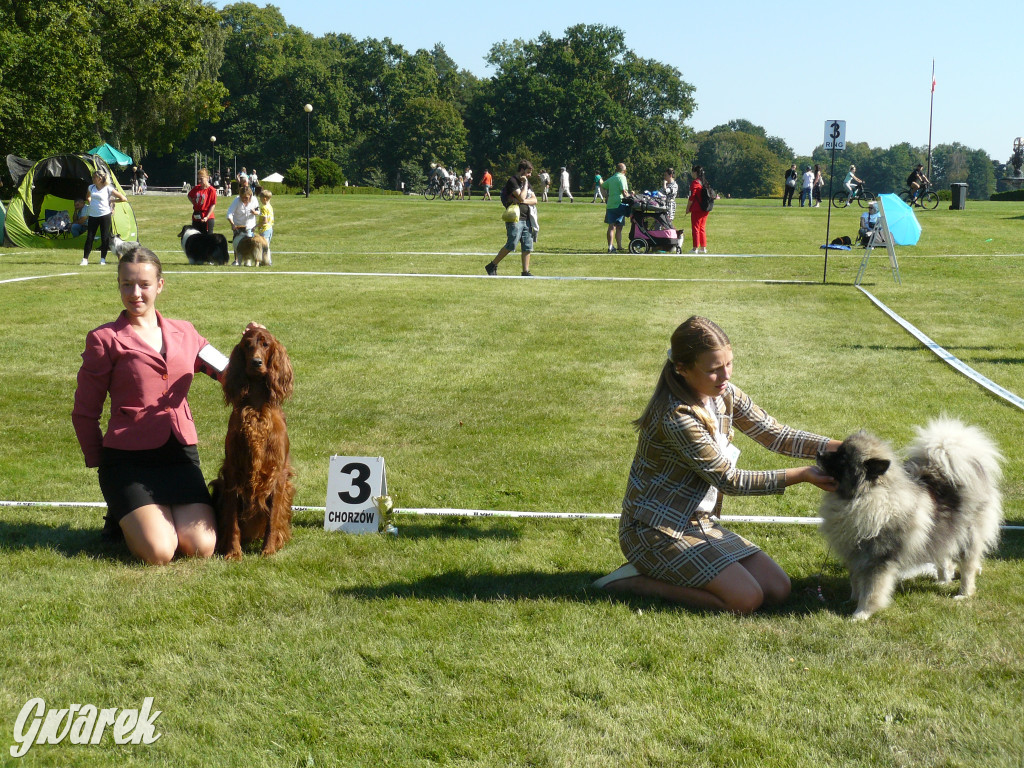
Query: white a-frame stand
[{"x": 880, "y": 236}]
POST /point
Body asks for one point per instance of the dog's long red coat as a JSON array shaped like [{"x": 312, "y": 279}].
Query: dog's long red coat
[{"x": 255, "y": 484}]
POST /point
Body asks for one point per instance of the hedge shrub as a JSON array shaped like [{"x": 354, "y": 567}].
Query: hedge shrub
[{"x": 1012, "y": 195}]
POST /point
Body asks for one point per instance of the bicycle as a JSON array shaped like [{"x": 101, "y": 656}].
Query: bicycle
[
  {"x": 922, "y": 198},
  {"x": 446, "y": 189},
  {"x": 841, "y": 199}
]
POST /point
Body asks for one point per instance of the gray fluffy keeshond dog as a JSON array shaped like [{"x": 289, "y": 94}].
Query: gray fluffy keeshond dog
[{"x": 942, "y": 505}]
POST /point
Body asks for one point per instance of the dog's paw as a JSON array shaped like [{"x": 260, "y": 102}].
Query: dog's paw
[
  {"x": 860, "y": 616},
  {"x": 235, "y": 554}
]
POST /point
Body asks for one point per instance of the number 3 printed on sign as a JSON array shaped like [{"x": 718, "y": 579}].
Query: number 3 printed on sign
[
  {"x": 352, "y": 482},
  {"x": 361, "y": 489}
]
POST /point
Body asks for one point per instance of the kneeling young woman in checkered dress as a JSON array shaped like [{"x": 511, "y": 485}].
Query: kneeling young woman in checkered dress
[{"x": 685, "y": 462}]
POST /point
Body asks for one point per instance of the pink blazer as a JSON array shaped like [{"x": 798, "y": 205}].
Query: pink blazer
[{"x": 147, "y": 390}]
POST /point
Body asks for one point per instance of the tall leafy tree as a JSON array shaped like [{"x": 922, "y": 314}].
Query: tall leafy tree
[
  {"x": 42, "y": 110},
  {"x": 586, "y": 101},
  {"x": 139, "y": 73},
  {"x": 742, "y": 160},
  {"x": 740, "y": 164},
  {"x": 956, "y": 163},
  {"x": 162, "y": 58}
]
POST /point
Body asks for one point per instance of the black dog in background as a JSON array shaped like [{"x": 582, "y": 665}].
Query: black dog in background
[{"x": 201, "y": 248}]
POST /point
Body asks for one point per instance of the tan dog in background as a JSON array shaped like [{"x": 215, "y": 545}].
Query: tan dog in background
[{"x": 251, "y": 251}]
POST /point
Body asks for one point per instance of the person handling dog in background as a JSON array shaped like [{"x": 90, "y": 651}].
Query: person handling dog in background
[
  {"x": 685, "y": 462},
  {"x": 204, "y": 199},
  {"x": 242, "y": 216},
  {"x": 102, "y": 198},
  {"x": 148, "y": 463},
  {"x": 265, "y": 220}
]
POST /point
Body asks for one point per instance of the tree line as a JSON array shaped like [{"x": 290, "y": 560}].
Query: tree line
[{"x": 159, "y": 78}]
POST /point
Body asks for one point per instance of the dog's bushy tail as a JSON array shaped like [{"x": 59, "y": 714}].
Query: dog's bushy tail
[
  {"x": 962, "y": 465},
  {"x": 962, "y": 454}
]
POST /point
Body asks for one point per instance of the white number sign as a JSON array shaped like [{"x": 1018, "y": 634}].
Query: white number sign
[
  {"x": 835, "y": 134},
  {"x": 352, "y": 483}
]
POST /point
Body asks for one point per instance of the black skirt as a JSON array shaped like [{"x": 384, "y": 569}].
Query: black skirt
[{"x": 168, "y": 476}]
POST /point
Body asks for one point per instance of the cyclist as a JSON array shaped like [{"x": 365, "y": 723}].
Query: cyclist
[
  {"x": 849, "y": 181},
  {"x": 438, "y": 176},
  {"x": 917, "y": 182}
]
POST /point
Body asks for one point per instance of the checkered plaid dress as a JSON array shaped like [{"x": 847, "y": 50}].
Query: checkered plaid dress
[{"x": 662, "y": 531}]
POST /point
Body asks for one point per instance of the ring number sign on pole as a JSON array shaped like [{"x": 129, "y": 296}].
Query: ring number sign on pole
[
  {"x": 352, "y": 483},
  {"x": 835, "y": 135},
  {"x": 835, "y": 140}
]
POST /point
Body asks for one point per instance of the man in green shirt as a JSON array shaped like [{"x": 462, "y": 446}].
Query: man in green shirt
[{"x": 615, "y": 210}]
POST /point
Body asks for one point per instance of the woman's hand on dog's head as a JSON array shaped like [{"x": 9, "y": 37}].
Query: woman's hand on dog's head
[{"x": 816, "y": 476}]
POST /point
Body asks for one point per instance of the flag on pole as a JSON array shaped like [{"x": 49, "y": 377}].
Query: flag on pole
[{"x": 933, "y": 75}]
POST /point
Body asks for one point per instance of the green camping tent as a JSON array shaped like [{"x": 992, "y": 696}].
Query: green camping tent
[
  {"x": 111, "y": 156},
  {"x": 49, "y": 186}
]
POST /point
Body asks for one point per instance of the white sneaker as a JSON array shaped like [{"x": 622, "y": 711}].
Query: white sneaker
[
  {"x": 103, "y": 262},
  {"x": 85, "y": 263},
  {"x": 626, "y": 571},
  {"x": 695, "y": 250},
  {"x": 703, "y": 250}
]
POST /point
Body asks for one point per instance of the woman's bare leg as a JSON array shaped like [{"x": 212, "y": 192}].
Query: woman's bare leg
[{"x": 735, "y": 589}]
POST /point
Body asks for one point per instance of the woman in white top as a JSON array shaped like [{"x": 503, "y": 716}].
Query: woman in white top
[
  {"x": 101, "y": 199},
  {"x": 242, "y": 213},
  {"x": 670, "y": 188}
]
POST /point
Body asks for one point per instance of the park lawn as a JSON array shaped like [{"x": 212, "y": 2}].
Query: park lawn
[{"x": 479, "y": 642}]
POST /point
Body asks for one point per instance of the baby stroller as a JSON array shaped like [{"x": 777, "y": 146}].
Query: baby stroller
[{"x": 649, "y": 226}]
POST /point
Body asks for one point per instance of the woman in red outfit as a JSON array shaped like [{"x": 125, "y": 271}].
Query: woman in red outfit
[
  {"x": 698, "y": 216},
  {"x": 148, "y": 463},
  {"x": 204, "y": 198}
]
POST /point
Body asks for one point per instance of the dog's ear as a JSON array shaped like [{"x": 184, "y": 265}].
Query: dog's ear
[
  {"x": 235, "y": 381},
  {"x": 279, "y": 373},
  {"x": 875, "y": 468}
]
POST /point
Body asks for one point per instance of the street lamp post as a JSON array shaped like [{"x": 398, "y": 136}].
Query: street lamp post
[
  {"x": 308, "y": 108},
  {"x": 213, "y": 141}
]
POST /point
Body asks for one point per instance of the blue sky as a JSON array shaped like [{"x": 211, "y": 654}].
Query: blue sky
[{"x": 773, "y": 63}]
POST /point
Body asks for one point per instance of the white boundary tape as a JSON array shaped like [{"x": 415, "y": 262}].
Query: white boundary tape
[
  {"x": 563, "y": 278},
  {"x": 487, "y": 513},
  {"x": 36, "y": 277},
  {"x": 952, "y": 360},
  {"x": 534, "y": 278}
]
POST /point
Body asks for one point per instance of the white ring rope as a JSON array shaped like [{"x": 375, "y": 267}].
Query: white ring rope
[
  {"x": 486, "y": 513},
  {"x": 949, "y": 358}
]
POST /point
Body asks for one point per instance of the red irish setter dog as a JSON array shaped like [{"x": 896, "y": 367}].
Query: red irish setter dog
[{"x": 253, "y": 494}]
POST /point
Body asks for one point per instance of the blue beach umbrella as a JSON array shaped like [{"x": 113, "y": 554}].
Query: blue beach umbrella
[{"x": 903, "y": 224}]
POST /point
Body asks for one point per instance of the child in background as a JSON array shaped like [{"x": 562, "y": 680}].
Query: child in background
[{"x": 265, "y": 219}]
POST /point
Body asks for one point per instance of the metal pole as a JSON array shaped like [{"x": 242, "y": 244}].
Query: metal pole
[
  {"x": 828, "y": 204},
  {"x": 307, "y": 153},
  {"x": 931, "y": 108}
]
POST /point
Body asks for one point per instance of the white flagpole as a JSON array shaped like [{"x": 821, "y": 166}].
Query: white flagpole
[{"x": 931, "y": 108}]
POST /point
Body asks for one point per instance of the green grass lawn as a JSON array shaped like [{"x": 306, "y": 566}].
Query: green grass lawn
[{"x": 479, "y": 642}]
